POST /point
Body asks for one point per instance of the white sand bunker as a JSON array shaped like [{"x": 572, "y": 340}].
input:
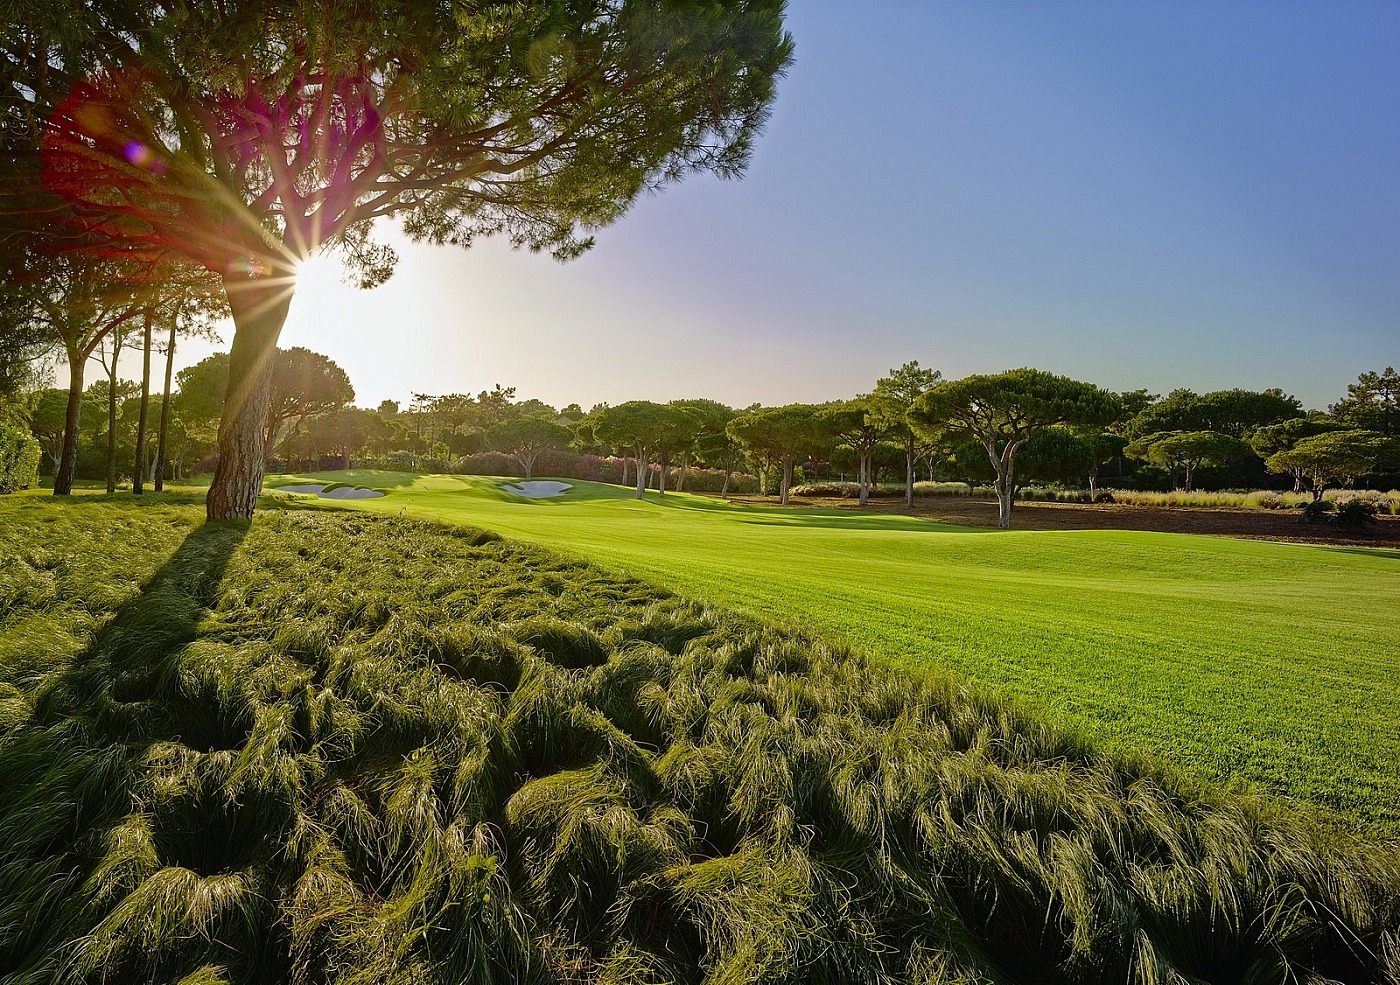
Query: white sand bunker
[
  {"x": 537, "y": 488},
  {"x": 339, "y": 492}
]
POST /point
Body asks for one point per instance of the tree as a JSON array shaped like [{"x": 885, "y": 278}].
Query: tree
[
  {"x": 893, "y": 398},
  {"x": 1271, "y": 439},
  {"x": 709, "y": 440},
  {"x": 861, "y": 425},
  {"x": 1002, "y": 412},
  {"x": 783, "y": 435},
  {"x": 302, "y": 383},
  {"x": 1332, "y": 458},
  {"x": 526, "y": 438},
  {"x": 305, "y": 123},
  {"x": 635, "y": 424},
  {"x": 1186, "y": 451},
  {"x": 1372, "y": 403},
  {"x": 47, "y": 423},
  {"x": 1229, "y": 412},
  {"x": 1104, "y": 446},
  {"x": 1055, "y": 454}
]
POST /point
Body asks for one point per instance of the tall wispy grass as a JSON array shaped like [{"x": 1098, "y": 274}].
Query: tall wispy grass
[
  {"x": 1243, "y": 499},
  {"x": 335, "y": 748}
]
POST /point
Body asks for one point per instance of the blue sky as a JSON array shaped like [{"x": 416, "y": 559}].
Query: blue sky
[{"x": 1139, "y": 194}]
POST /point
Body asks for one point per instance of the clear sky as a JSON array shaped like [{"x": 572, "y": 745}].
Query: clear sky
[{"x": 1137, "y": 194}]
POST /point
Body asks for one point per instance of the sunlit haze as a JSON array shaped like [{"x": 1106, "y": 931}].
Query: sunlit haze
[{"x": 1141, "y": 195}]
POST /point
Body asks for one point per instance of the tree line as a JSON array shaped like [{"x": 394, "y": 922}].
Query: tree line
[{"x": 1008, "y": 430}]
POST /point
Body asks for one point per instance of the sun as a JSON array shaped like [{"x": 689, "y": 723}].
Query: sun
[{"x": 322, "y": 302}]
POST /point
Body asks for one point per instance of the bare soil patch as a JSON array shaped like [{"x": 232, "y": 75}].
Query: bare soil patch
[{"x": 1283, "y": 525}]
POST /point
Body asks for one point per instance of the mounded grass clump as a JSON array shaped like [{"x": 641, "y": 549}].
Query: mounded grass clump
[{"x": 328, "y": 747}]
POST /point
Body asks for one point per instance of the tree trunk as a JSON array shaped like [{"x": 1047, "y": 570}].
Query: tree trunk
[
  {"x": 1093, "y": 484},
  {"x": 1190, "y": 474},
  {"x": 865, "y": 457},
  {"x": 1005, "y": 484},
  {"x": 165, "y": 410},
  {"x": 665, "y": 463},
  {"x": 68, "y": 457},
  {"x": 140, "y": 473},
  {"x": 788, "y": 467},
  {"x": 685, "y": 464},
  {"x": 258, "y": 313},
  {"x": 624, "y": 470},
  {"x": 909, "y": 472},
  {"x": 641, "y": 472},
  {"x": 112, "y": 417}
]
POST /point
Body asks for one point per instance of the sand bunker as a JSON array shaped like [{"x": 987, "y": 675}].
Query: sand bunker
[
  {"x": 340, "y": 492},
  {"x": 537, "y": 488}
]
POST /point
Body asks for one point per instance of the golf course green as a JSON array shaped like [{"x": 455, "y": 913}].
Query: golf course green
[{"x": 1237, "y": 660}]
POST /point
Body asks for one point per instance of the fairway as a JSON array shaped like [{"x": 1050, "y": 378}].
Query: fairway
[{"x": 1232, "y": 659}]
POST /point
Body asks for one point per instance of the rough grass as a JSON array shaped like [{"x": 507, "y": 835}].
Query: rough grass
[
  {"x": 1237, "y": 660},
  {"x": 329, "y": 747}
]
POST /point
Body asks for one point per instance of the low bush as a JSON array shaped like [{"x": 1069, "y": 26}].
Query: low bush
[
  {"x": 330, "y": 747},
  {"x": 19, "y": 457}
]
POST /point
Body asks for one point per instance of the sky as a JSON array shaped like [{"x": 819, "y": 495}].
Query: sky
[{"x": 1137, "y": 194}]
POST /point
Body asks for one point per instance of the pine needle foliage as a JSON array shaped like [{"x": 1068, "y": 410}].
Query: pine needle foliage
[{"x": 333, "y": 748}]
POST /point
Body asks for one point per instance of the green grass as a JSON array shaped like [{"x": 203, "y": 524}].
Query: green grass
[
  {"x": 333, "y": 747},
  {"x": 1234, "y": 659}
]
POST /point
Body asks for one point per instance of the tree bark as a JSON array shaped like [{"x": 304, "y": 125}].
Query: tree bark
[
  {"x": 865, "y": 457},
  {"x": 641, "y": 472},
  {"x": 788, "y": 467},
  {"x": 68, "y": 457},
  {"x": 665, "y": 466},
  {"x": 140, "y": 475},
  {"x": 259, "y": 311},
  {"x": 624, "y": 470},
  {"x": 165, "y": 410}
]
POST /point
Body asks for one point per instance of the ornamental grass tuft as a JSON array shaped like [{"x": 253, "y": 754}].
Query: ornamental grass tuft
[{"x": 330, "y": 747}]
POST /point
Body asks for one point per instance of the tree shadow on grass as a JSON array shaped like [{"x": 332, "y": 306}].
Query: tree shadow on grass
[
  {"x": 1389, "y": 554},
  {"x": 70, "y": 770}
]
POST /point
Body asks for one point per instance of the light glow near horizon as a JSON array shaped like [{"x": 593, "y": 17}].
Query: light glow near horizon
[{"x": 1198, "y": 195}]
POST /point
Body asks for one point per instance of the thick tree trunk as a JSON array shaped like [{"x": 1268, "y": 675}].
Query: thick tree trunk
[
  {"x": 724, "y": 490},
  {"x": 68, "y": 457},
  {"x": 665, "y": 463},
  {"x": 140, "y": 473},
  {"x": 258, "y": 313},
  {"x": 624, "y": 470},
  {"x": 165, "y": 410},
  {"x": 787, "y": 482},
  {"x": 865, "y": 457},
  {"x": 641, "y": 473}
]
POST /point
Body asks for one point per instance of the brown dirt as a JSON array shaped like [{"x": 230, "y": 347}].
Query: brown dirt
[{"x": 1284, "y": 525}]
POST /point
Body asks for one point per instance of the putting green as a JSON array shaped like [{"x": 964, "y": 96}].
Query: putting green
[{"x": 1274, "y": 663}]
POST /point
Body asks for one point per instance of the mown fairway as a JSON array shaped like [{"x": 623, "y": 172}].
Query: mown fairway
[{"x": 1271, "y": 662}]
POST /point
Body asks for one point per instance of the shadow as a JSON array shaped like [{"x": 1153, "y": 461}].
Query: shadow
[
  {"x": 1389, "y": 553},
  {"x": 370, "y": 478},
  {"x": 133, "y": 659},
  {"x": 71, "y": 770}
]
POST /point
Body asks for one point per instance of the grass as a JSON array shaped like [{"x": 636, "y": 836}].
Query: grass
[
  {"x": 333, "y": 747},
  {"x": 1236, "y": 660}
]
